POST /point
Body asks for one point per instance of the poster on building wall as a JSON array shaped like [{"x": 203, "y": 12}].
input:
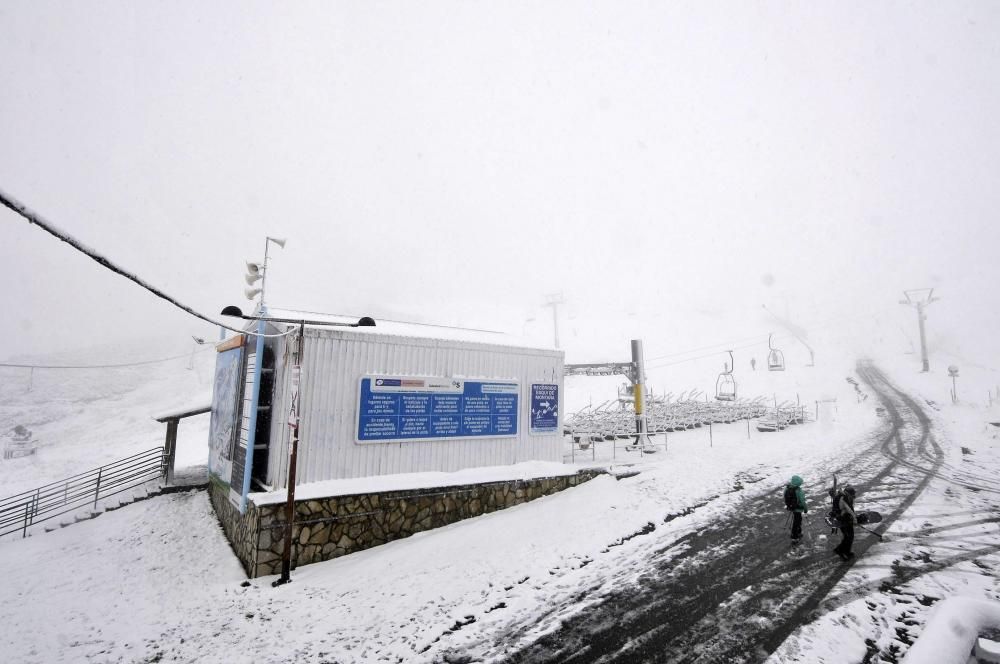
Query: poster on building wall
[
  {"x": 544, "y": 408},
  {"x": 225, "y": 408},
  {"x": 397, "y": 409}
]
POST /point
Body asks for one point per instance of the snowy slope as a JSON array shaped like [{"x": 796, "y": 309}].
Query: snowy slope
[
  {"x": 156, "y": 581},
  {"x": 85, "y": 418}
]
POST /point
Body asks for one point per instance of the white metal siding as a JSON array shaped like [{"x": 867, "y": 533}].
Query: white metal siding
[{"x": 334, "y": 363}]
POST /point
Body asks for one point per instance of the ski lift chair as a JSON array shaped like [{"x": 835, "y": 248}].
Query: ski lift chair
[
  {"x": 725, "y": 388},
  {"x": 725, "y": 385},
  {"x": 775, "y": 358}
]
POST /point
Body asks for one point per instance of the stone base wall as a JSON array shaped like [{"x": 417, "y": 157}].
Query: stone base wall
[
  {"x": 327, "y": 528},
  {"x": 241, "y": 529}
]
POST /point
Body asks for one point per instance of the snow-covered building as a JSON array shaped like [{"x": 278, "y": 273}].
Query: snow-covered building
[{"x": 389, "y": 399}]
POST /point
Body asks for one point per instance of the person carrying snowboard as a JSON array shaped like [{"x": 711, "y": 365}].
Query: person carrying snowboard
[
  {"x": 846, "y": 517},
  {"x": 795, "y": 502}
]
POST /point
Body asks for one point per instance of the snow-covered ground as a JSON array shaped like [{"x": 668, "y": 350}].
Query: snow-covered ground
[
  {"x": 84, "y": 418},
  {"x": 946, "y": 545},
  {"x": 157, "y": 581}
]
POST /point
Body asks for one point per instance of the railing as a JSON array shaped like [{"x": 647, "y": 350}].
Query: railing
[
  {"x": 19, "y": 512},
  {"x": 612, "y": 419}
]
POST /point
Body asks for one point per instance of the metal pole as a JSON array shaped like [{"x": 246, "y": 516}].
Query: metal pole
[
  {"x": 923, "y": 337},
  {"x": 554, "y": 301},
  {"x": 286, "y": 555},
  {"x": 639, "y": 393},
  {"x": 255, "y": 397},
  {"x": 921, "y": 317},
  {"x": 170, "y": 451},
  {"x": 97, "y": 493},
  {"x": 555, "y": 325}
]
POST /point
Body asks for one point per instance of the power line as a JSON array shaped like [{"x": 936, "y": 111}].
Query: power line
[
  {"x": 98, "y": 366},
  {"x": 36, "y": 219},
  {"x": 390, "y": 320}
]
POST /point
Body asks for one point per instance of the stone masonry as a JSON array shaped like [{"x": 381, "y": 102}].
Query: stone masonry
[{"x": 335, "y": 526}]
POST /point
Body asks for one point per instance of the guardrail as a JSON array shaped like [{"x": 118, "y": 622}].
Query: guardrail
[{"x": 20, "y": 511}]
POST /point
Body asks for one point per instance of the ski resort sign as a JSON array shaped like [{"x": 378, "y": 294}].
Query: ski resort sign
[
  {"x": 398, "y": 408},
  {"x": 544, "y": 408}
]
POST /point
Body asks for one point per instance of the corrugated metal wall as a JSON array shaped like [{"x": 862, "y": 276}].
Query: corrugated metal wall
[{"x": 335, "y": 361}]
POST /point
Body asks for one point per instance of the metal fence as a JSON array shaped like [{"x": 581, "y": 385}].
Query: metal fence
[
  {"x": 616, "y": 418},
  {"x": 19, "y": 512}
]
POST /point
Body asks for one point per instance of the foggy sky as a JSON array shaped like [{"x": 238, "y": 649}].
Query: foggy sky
[{"x": 456, "y": 161}]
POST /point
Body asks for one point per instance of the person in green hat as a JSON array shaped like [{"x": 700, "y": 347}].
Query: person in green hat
[{"x": 795, "y": 502}]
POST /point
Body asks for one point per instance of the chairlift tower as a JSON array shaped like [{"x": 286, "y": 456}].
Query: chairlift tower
[
  {"x": 635, "y": 371},
  {"x": 554, "y": 300},
  {"x": 919, "y": 298}
]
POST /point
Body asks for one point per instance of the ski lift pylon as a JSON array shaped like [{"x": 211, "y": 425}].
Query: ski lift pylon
[
  {"x": 775, "y": 358},
  {"x": 725, "y": 385}
]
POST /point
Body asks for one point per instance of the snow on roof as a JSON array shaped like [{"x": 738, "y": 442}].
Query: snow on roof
[{"x": 408, "y": 329}]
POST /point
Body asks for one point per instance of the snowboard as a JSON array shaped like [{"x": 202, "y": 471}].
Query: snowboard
[{"x": 864, "y": 519}]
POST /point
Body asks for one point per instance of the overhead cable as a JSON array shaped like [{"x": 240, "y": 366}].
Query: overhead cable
[
  {"x": 36, "y": 219},
  {"x": 99, "y": 366},
  {"x": 701, "y": 357},
  {"x": 724, "y": 345}
]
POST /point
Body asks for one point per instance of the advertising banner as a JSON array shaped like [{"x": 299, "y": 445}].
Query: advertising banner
[{"x": 225, "y": 409}]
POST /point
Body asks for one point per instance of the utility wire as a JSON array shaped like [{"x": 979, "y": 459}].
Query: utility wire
[
  {"x": 99, "y": 366},
  {"x": 701, "y": 357},
  {"x": 390, "y": 320},
  {"x": 36, "y": 219}
]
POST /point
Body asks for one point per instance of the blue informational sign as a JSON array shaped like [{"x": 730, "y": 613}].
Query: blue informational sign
[
  {"x": 395, "y": 408},
  {"x": 544, "y": 408}
]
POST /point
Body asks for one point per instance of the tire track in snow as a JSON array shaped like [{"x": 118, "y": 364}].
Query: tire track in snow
[{"x": 733, "y": 591}]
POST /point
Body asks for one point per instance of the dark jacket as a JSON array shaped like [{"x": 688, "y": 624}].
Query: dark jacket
[
  {"x": 800, "y": 495},
  {"x": 846, "y": 505}
]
